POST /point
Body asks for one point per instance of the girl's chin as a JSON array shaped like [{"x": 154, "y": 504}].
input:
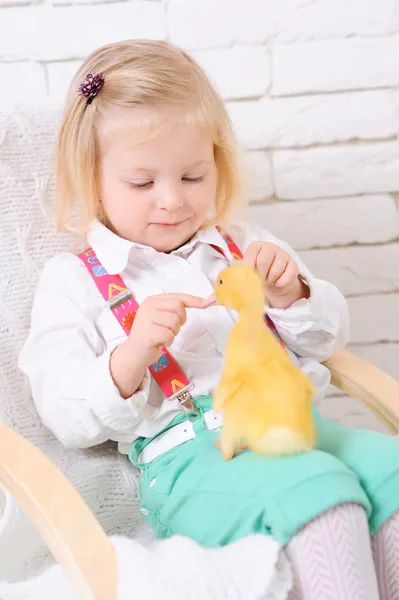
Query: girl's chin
[{"x": 169, "y": 239}]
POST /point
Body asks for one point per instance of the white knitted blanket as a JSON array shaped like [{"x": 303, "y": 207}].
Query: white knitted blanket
[{"x": 104, "y": 478}]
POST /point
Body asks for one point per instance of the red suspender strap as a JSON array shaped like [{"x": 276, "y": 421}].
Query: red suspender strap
[
  {"x": 237, "y": 255},
  {"x": 166, "y": 372}
]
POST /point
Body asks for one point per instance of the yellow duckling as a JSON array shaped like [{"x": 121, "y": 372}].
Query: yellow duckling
[{"x": 265, "y": 398}]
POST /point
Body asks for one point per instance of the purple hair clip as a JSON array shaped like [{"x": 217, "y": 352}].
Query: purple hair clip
[{"x": 91, "y": 86}]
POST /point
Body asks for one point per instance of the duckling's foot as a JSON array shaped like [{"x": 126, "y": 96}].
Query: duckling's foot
[
  {"x": 242, "y": 447},
  {"x": 228, "y": 455}
]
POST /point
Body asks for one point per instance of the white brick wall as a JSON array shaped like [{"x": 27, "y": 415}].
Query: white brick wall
[
  {"x": 300, "y": 121},
  {"x": 327, "y": 66},
  {"x": 313, "y": 90}
]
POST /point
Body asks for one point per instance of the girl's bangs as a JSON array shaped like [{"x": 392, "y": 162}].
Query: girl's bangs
[{"x": 147, "y": 124}]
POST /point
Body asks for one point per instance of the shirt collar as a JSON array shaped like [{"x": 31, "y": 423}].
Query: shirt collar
[
  {"x": 209, "y": 236},
  {"x": 113, "y": 251}
]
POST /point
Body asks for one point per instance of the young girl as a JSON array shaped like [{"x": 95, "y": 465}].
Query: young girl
[{"x": 147, "y": 166}]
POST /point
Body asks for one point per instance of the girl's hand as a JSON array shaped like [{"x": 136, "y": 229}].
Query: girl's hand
[
  {"x": 280, "y": 273},
  {"x": 157, "y": 323}
]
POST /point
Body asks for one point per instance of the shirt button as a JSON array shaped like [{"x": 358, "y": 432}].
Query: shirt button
[
  {"x": 144, "y": 512},
  {"x": 153, "y": 482}
]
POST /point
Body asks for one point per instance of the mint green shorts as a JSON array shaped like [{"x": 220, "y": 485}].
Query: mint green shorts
[{"x": 191, "y": 491}]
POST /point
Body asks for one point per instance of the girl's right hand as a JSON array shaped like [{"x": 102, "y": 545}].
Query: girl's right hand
[{"x": 157, "y": 323}]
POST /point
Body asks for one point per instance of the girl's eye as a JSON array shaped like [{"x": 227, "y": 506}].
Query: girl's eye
[
  {"x": 141, "y": 186},
  {"x": 193, "y": 179}
]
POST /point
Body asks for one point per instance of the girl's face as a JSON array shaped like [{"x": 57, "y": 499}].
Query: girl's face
[{"x": 156, "y": 192}]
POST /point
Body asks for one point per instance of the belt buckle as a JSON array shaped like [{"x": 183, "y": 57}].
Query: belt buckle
[{"x": 186, "y": 400}]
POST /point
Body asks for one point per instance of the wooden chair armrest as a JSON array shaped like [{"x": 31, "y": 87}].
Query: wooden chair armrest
[
  {"x": 65, "y": 522},
  {"x": 375, "y": 389}
]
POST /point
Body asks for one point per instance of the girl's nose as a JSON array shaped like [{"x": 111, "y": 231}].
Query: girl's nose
[{"x": 171, "y": 198}]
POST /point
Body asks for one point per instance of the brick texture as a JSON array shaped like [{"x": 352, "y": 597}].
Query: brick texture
[
  {"x": 374, "y": 318},
  {"x": 316, "y": 119},
  {"x": 259, "y": 178},
  {"x": 336, "y": 170},
  {"x": 251, "y": 62},
  {"x": 220, "y": 23},
  {"x": 59, "y": 75},
  {"x": 357, "y": 270},
  {"x": 335, "y": 65},
  {"x": 322, "y": 224},
  {"x": 74, "y": 31},
  {"x": 23, "y": 78}
]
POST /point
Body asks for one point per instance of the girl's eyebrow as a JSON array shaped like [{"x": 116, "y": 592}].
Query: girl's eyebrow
[
  {"x": 200, "y": 163},
  {"x": 143, "y": 170},
  {"x": 135, "y": 170}
]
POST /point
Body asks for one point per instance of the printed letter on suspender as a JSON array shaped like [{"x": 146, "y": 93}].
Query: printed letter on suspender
[{"x": 166, "y": 371}]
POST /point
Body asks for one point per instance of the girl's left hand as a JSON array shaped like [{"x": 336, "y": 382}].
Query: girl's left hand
[{"x": 279, "y": 272}]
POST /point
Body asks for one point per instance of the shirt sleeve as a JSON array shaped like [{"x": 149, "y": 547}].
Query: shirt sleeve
[
  {"x": 67, "y": 362},
  {"x": 314, "y": 327}
]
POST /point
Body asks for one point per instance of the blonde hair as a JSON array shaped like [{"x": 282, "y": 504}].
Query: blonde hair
[{"x": 138, "y": 73}]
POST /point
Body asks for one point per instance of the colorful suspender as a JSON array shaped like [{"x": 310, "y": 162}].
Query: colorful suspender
[{"x": 166, "y": 371}]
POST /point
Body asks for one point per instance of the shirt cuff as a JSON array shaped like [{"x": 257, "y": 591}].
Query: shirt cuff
[
  {"x": 304, "y": 314},
  {"x": 105, "y": 400}
]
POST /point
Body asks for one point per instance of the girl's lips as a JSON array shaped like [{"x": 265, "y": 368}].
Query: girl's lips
[{"x": 169, "y": 225}]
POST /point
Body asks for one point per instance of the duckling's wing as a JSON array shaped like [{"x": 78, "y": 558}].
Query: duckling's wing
[
  {"x": 227, "y": 389},
  {"x": 294, "y": 374},
  {"x": 272, "y": 395}
]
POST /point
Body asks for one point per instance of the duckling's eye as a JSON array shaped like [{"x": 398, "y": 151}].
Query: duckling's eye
[{"x": 220, "y": 281}]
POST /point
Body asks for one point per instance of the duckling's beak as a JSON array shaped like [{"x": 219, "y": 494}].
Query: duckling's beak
[{"x": 211, "y": 301}]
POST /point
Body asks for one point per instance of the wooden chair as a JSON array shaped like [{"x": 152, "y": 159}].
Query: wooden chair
[{"x": 69, "y": 528}]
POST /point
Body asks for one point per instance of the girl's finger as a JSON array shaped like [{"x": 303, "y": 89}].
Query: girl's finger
[
  {"x": 161, "y": 336},
  {"x": 173, "y": 305},
  {"x": 289, "y": 275},
  {"x": 277, "y": 268},
  {"x": 188, "y": 301},
  {"x": 210, "y": 301},
  {"x": 251, "y": 254},
  {"x": 265, "y": 261},
  {"x": 168, "y": 320}
]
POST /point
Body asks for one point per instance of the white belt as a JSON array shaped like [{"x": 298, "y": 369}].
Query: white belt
[{"x": 176, "y": 435}]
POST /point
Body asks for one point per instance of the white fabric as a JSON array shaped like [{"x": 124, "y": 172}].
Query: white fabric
[
  {"x": 66, "y": 356},
  {"x": 176, "y": 435},
  {"x": 104, "y": 477},
  {"x": 331, "y": 557},
  {"x": 251, "y": 569}
]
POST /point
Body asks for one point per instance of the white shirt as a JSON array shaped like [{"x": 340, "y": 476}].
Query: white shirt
[{"x": 73, "y": 333}]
